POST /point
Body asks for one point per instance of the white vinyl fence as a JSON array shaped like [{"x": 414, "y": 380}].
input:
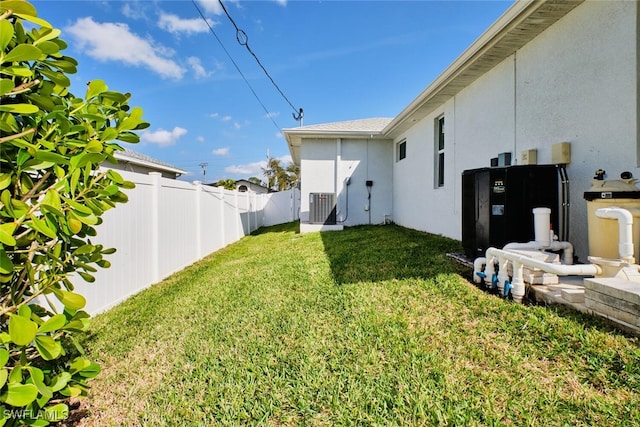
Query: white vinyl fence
[{"x": 168, "y": 225}]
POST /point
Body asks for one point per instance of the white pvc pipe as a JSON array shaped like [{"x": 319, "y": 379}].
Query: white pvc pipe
[
  {"x": 478, "y": 263},
  {"x": 565, "y": 247},
  {"x": 558, "y": 269},
  {"x": 517, "y": 282},
  {"x": 542, "y": 225},
  {"x": 489, "y": 271},
  {"x": 625, "y": 230},
  {"x": 503, "y": 272}
]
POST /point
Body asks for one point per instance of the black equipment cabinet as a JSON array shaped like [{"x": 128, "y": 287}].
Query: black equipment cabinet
[{"x": 497, "y": 204}]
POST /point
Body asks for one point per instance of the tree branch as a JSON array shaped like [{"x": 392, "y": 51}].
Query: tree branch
[
  {"x": 25, "y": 87},
  {"x": 17, "y": 135},
  {"x": 33, "y": 190}
]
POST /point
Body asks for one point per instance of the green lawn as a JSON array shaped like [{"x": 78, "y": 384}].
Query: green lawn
[{"x": 372, "y": 325}]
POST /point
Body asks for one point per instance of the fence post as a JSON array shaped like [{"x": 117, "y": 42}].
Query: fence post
[
  {"x": 155, "y": 226},
  {"x": 198, "y": 188},
  {"x": 249, "y": 208},
  {"x": 255, "y": 210},
  {"x": 222, "y": 223},
  {"x": 238, "y": 220}
]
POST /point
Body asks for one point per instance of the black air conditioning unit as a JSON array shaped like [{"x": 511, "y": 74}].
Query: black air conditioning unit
[
  {"x": 322, "y": 208},
  {"x": 497, "y": 204}
]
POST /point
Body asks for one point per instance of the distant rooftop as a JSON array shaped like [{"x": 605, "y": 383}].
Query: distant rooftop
[
  {"x": 374, "y": 125},
  {"x": 144, "y": 160}
]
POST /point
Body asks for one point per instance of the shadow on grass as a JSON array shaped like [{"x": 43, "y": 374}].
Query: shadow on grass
[
  {"x": 375, "y": 253},
  {"x": 288, "y": 227}
]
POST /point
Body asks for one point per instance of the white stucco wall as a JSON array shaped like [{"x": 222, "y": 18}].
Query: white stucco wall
[
  {"x": 576, "y": 82},
  {"x": 417, "y": 203},
  {"x": 327, "y": 163},
  {"x": 317, "y": 171}
]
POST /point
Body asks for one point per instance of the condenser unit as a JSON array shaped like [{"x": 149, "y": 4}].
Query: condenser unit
[
  {"x": 322, "y": 208},
  {"x": 497, "y": 204}
]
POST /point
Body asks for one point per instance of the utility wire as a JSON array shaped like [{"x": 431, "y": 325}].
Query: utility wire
[
  {"x": 243, "y": 40},
  {"x": 236, "y": 65}
]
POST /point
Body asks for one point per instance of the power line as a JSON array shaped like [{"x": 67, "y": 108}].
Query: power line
[
  {"x": 236, "y": 66},
  {"x": 243, "y": 40}
]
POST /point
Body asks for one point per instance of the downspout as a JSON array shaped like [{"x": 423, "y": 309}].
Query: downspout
[
  {"x": 336, "y": 179},
  {"x": 515, "y": 106}
]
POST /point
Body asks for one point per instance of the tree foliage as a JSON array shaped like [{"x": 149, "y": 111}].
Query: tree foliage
[
  {"x": 279, "y": 177},
  {"x": 52, "y": 196},
  {"x": 255, "y": 180},
  {"x": 227, "y": 183}
]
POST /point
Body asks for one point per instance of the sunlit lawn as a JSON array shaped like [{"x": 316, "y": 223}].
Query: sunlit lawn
[{"x": 369, "y": 326}]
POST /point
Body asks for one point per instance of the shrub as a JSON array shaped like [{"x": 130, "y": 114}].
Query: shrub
[{"x": 52, "y": 195}]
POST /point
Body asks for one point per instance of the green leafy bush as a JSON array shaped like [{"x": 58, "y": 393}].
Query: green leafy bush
[{"x": 52, "y": 195}]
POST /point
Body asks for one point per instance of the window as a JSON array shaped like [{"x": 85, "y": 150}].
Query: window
[
  {"x": 439, "y": 152},
  {"x": 401, "y": 150}
]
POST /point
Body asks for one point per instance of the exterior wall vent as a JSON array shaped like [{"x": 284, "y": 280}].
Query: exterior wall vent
[{"x": 322, "y": 208}]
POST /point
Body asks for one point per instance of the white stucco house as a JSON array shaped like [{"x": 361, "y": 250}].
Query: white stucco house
[
  {"x": 546, "y": 77},
  {"x": 244, "y": 185}
]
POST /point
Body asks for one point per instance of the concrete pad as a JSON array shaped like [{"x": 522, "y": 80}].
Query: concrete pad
[
  {"x": 310, "y": 228},
  {"x": 615, "y": 287},
  {"x": 573, "y": 295},
  {"x": 615, "y": 298}
]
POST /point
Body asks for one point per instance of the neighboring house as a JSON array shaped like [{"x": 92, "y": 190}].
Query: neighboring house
[
  {"x": 545, "y": 72},
  {"x": 133, "y": 161},
  {"x": 243, "y": 185}
]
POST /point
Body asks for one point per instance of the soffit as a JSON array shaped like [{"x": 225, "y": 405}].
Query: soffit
[{"x": 520, "y": 24}]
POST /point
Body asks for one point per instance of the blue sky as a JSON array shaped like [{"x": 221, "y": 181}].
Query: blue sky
[{"x": 338, "y": 60}]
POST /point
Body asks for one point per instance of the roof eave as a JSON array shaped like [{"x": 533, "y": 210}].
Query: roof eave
[
  {"x": 522, "y": 22},
  {"x": 124, "y": 158}
]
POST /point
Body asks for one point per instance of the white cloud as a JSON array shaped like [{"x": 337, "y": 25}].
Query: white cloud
[
  {"x": 162, "y": 137},
  {"x": 176, "y": 25},
  {"x": 279, "y": 135},
  {"x": 198, "y": 69},
  {"x": 200, "y": 138},
  {"x": 272, "y": 115},
  {"x": 134, "y": 10},
  {"x": 224, "y": 151},
  {"x": 285, "y": 159},
  {"x": 115, "y": 42},
  {"x": 254, "y": 168},
  {"x": 212, "y": 6},
  {"x": 281, "y": 2},
  {"x": 248, "y": 169},
  {"x": 220, "y": 117}
]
